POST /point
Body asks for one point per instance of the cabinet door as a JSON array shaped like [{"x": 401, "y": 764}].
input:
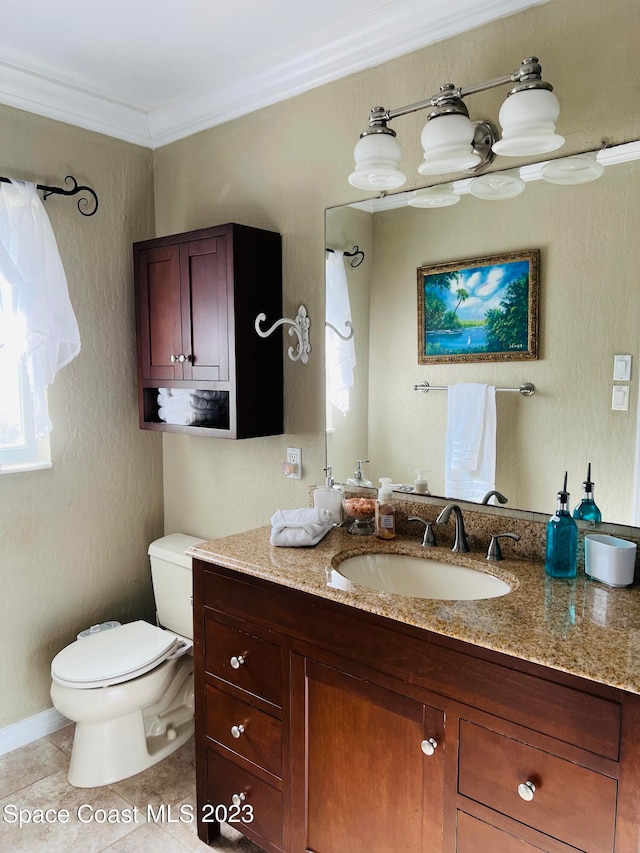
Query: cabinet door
[
  {"x": 206, "y": 309},
  {"x": 369, "y": 787},
  {"x": 160, "y": 334}
]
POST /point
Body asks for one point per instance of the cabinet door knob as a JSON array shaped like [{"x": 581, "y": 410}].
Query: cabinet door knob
[
  {"x": 182, "y": 358},
  {"x": 526, "y": 790},
  {"x": 236, "y": 662},
  {"x": 429, "y": 746},
  {"x": 236, "y": 731},
  {"x": 173, "y": 358},
  {"x": 238, "y": 799}
]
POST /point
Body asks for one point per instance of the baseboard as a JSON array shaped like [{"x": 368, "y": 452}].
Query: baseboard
[{"x": 33, "y": 728}]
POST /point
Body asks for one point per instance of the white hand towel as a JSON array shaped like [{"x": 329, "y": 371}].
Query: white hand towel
[
  {"x": 470, "y": 465},
  {"x": 297, "y": 528},
  {"x": 340, "y": 355}
]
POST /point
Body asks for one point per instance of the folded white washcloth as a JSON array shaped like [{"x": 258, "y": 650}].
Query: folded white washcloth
[{"x": 297, "y": 528}]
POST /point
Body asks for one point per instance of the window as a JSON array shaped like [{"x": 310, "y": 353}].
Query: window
[{"x": 19, "y": 448}]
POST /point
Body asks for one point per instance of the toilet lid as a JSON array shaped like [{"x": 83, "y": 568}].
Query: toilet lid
[{"x": 111, "y": 657}]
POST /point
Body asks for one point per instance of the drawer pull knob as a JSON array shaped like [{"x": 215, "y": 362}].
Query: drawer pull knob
[
  {"x": 238, "y": 799},
  {"x": 236, "y": 731},
  {"x": 526, "y": 790},
  {"x": 236, "y": 662},
  {"x": 429, "y": 746}
]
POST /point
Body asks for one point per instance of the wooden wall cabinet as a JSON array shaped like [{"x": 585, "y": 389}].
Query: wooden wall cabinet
[
  {"x": 363, "y": 735},
  {"x": 197, "y": 297}
]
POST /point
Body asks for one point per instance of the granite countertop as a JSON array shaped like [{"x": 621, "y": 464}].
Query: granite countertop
[{"x": 580, "y": 626}]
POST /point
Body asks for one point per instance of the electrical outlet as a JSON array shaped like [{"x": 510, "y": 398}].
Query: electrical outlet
[{"x": 294, "y": 463}]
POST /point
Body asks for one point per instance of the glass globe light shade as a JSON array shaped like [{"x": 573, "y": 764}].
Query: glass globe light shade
[
  {"x": 528, "y": 120},
  {"x": 377, "y": 159},
  {"x": 434, "y": 197},
  {"x": 446, "y": 140},
  {"x": 496, "y": 186},
  {"x": 579, "y": 169}
]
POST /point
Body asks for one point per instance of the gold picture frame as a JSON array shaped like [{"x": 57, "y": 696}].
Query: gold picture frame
[{"x": 480, "y": 309}]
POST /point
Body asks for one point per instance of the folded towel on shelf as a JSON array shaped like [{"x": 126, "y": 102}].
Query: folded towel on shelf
[
  {"x": 172, "y": 394},
  {"x": 203, "y": 404},
  {"x": 470, "y": 456},
  {"x": 209, "y": 395},
  {"x": 298, "y": 528},
  {"x": 184, "y": 418}
]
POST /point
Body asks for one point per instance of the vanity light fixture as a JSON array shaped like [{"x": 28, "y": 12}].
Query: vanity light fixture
[{"x": 451, "y": 141}]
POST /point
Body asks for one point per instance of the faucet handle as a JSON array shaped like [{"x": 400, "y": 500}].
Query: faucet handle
[
  {"x": 495, "y": 553},
  {"x": 429, "y": 538}
]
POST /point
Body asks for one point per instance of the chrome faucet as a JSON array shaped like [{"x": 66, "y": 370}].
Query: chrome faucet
[
  {"x": 498, "y": 496},
  {"x": 460, "y": 542}
]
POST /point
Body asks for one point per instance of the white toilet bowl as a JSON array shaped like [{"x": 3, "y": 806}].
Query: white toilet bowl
[
  {"x": 129, "y": 689},
  {"x": 129, "y": 721}
]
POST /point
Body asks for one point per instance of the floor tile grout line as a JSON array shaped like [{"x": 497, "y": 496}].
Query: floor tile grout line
[{"x": 30, "y": 783}]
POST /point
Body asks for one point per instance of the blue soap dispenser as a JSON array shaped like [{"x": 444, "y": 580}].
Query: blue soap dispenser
[
  {"x": 562, "y": 539},
  {"x": 587, "y": 509}
]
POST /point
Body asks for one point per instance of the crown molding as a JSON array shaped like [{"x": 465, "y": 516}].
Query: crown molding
[
  {"x": 71, "y": 105},
  {"x": 384, "y": 34}
]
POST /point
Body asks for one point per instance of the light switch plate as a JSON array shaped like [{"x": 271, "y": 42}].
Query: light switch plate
[
  {"x": 620, "y": 398},
  {"x": 622, "y": 368}
]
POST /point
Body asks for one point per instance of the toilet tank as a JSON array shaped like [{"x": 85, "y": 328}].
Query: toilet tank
[{"x": 172, "y": 582}]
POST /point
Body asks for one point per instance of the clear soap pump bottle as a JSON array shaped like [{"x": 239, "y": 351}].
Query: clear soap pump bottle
[
  {"x": 587, "y": 509},
  {"x": 562, "y": 539},
  {"x": 329, "y": 497}
]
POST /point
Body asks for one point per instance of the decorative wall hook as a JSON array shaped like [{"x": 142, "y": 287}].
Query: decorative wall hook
[
  {"x": 299, "y": 327},
  {"x": 349, "y": 326}
]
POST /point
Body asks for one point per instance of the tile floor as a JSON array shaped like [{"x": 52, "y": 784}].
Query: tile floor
[{"x": 34, "y": 777}]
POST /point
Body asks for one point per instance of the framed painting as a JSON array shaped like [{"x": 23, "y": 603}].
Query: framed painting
[{"x": 483, "y": 309}]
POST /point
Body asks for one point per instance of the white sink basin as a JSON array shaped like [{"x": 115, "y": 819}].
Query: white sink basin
[{"x": 421, "y": 577}]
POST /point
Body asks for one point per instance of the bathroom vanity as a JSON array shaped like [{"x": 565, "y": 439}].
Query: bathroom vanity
[{"x": 331, "y": 718}]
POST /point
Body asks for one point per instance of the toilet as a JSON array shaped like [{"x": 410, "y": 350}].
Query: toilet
[{"x": 129, "y": 689}]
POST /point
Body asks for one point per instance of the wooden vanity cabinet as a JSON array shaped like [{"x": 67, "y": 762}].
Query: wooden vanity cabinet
[
  {"x": 197, "y": 298},
  {"x": 360, "y": 775},
  {"x": 383, "y": 738}
]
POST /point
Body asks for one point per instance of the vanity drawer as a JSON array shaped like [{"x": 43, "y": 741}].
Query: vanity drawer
[
  {"x": 258, "y": 735},
  {"x": 571, "y": 803},
  {"x": 248, "y": 662},
  {"x": 476, "y": 836},
  {"x": 260, "y": 813}
]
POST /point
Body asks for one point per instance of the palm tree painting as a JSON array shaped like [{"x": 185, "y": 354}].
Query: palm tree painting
[{"x": 485, "y": 309}]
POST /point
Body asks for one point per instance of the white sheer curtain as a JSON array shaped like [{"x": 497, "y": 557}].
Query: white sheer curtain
[
  {"x": 340, "y": 355},
  {"x": 40, "y": 305}
]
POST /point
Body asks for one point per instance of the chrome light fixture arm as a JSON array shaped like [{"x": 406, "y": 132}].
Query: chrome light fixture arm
[
  {"x": 528, "y": 127},
  {"x": 528, "y": 75}
]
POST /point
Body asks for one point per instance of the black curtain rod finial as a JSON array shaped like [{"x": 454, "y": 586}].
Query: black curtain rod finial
[
  {"x": 357, "y": 255},
  {"x": 86, "y": 206}
]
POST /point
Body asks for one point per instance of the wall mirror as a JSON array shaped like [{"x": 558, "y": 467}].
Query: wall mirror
[{"x": 588, "y": 312}]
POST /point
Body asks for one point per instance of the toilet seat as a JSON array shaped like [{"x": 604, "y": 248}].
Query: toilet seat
[{"x": 112, "y": 657}]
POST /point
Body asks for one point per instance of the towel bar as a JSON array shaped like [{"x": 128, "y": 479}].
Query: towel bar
[{"x": 526, "y": 389}]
